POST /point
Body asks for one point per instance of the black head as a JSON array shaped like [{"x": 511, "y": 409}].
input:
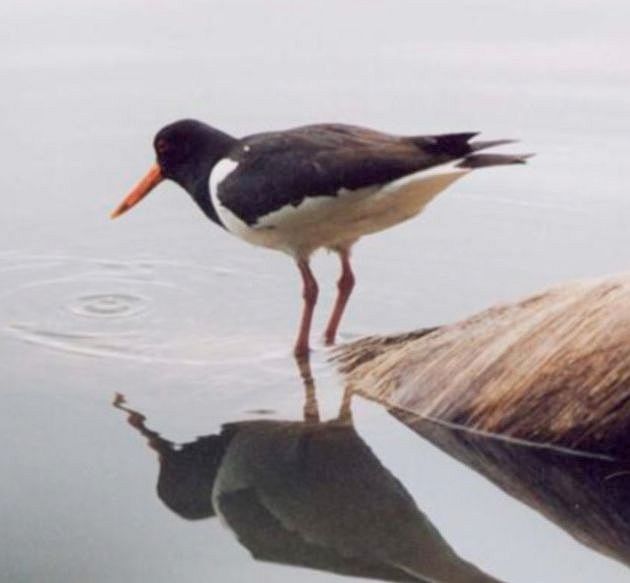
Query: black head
[{"x": 186, "y": 151}]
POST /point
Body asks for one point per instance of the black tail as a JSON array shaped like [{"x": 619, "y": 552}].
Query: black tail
[
  {"x": 453, "y": 146},
  {"x": 476, "y": 146},
  {"x": 481, "y": 160}
]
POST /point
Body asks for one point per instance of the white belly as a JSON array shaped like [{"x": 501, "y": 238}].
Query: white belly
[{"x": 333, "y": 221}]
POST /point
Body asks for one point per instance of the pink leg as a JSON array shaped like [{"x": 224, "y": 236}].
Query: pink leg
[
  {"x": 310, "y": 291},
  {"x": 345, "y": 286}
]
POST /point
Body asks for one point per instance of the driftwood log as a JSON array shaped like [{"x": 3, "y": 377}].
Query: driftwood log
[{"x": 553, "y": 369}]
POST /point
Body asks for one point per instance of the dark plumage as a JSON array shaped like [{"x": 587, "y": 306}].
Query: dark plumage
[{"x": 277, "y": 169}]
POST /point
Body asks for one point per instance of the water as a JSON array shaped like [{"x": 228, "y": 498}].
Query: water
[{"x": 165, "y": 315}]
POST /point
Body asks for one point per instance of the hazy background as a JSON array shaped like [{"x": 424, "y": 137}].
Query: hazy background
[{"x": 195, "y": 327}]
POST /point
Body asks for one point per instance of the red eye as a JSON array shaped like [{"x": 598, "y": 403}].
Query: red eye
[{"x": 161, "y": 146}]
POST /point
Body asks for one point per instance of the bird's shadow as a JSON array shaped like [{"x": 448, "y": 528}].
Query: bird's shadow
[{"x": 304, "y": 492}]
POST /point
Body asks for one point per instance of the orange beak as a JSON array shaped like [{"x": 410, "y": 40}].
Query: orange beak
[{"x": 140, "y": 190}]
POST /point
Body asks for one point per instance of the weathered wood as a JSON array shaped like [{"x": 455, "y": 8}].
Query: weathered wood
[{"x": 553, "y": 368}]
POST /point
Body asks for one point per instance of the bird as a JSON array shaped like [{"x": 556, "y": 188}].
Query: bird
[{"x": 311, "y": 187}]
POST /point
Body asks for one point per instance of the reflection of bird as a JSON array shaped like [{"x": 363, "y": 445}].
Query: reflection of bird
[
  {"x": 306, "y": 493},
  {"x": 187, "y": 473},
  {"x": 310, "y": 187}
]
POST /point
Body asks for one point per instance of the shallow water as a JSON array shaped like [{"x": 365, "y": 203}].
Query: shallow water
[{"x": 165, "y": 315}]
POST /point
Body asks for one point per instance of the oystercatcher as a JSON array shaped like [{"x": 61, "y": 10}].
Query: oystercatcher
[{"x": 314, "y": 186}]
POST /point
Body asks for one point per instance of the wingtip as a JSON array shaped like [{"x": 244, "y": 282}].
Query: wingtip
[
  {"x": 491, "y": 159},
  {"x": 483, "y": 144}
]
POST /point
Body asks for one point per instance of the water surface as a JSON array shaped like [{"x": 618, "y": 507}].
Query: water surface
[{"x": 190, "y": 330}]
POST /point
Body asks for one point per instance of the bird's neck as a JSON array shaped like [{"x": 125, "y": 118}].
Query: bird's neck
[
  {"x": 218, "y": 145},
  {"x": 201, "y": 195}
]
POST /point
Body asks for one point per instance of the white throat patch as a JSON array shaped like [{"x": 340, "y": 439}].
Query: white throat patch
[{"x": 221, "y": 170}]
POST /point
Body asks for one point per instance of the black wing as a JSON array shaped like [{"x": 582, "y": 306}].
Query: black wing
[{"x": 283, "y": 168}]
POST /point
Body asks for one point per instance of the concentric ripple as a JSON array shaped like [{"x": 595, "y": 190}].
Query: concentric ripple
[
  {"x": 148, "y": 311},
  {"x": 112, "y": 305}
]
